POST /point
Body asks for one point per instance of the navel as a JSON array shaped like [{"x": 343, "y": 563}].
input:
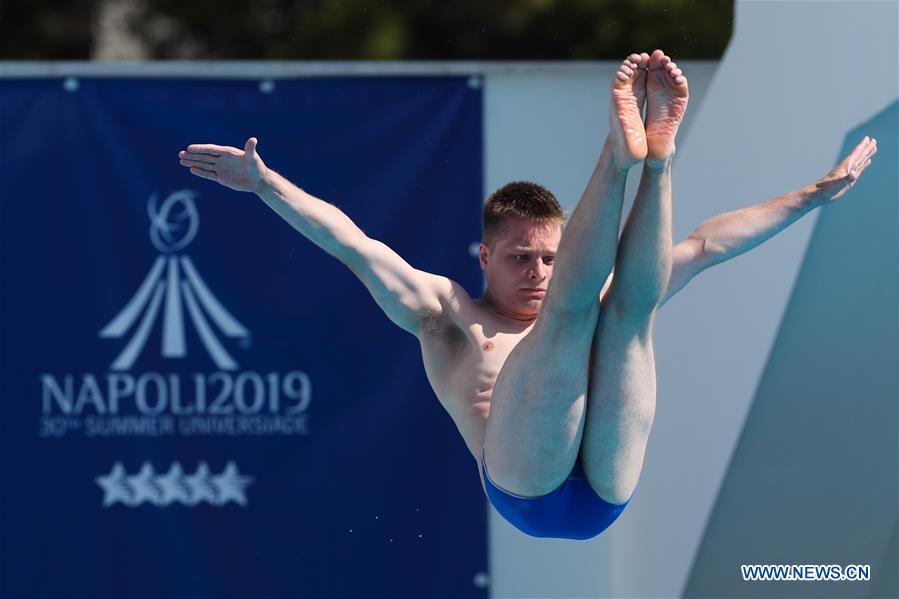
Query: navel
[{"x": 488, "y": 345}]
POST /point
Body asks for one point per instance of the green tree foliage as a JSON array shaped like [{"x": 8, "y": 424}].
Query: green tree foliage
[
  {"x": 36, "y": 30},
  {"x": 380, "y": 29}
]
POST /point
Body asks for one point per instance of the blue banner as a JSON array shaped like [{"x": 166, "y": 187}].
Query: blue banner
[{"x": 197, "y": 400}]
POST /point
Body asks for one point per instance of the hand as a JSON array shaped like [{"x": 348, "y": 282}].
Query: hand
[
  {"x": 836, "y": 183},
  {"x": 241, "y": 170}
]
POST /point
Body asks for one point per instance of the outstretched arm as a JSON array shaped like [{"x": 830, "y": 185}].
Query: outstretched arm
[
  {"x": 411, "y": 298},
  {"x": 243, "y": 170},
  {"x": 733, "y": 233}
]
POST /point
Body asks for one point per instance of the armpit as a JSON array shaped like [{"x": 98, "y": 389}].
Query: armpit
[{"x": 431, "y": 323}]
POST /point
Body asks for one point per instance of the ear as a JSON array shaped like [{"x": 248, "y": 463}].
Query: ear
[{"x": 483, "y": 255}]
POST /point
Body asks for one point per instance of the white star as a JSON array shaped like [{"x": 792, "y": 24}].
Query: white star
[
  {"x": 115, "y": 486},
  {"x": 231, "y": 485},
  {"x": 200, "y": 485},
  {"x": 144, "y": 485},
  {"x": 174, "y": 487}
]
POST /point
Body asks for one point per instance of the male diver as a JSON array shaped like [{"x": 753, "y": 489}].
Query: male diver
[{"x": 550, "y": 375}]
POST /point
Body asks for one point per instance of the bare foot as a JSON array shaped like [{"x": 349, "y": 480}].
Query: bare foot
[
  {"x": 640, "y": 81},
  {"x": 626, "y": 112},
  {"x": 666, "y": 102}
]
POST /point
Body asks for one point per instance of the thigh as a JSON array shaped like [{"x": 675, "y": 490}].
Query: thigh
[
  {"x": 537, "y": 407},
  {"x": 620, "y": 404}
]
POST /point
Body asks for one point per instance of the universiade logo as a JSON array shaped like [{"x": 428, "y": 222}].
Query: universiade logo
[
  {"x": 172, "y": 227},
  {"x": 172, "y": 308},
  {"x": 174, "y": 486}
]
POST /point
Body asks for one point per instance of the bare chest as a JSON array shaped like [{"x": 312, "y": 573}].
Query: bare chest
[
  {"x": 462, "y": 367},
  {"x": 480, "y": 362}
]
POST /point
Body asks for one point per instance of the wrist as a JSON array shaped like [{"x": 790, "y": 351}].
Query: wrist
[
  {"x": 810, "y": 197},
  {"x": 266, "y": 182}
]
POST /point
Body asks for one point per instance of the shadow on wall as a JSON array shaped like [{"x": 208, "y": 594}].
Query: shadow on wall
[{"x": 813, "y": 479}]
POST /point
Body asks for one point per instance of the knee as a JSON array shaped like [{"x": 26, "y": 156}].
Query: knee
[
  {"x": 637, "y": 311},
  {"x": 617, "y": 489},
  {"x": 615, "y": 494}
]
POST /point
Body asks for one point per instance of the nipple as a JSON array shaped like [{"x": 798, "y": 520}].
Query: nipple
[{"x": 488, "y": 345}]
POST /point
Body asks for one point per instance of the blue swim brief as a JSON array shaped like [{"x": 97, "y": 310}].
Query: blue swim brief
[{"x": 572, "y": 511}]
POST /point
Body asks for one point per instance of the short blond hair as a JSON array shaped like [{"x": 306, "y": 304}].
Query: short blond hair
[{"x": 519, "y": 199}]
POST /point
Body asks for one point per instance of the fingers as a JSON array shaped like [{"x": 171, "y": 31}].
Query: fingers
[
  {"x": 859, "y": 158},
  {"x": 870, "y": 150},
  {"x": 859, "y": 170},
  {"x": 855, "y": 153},
  {"x": 207, "y": 158},
  {"x": 201, "y": 172},
  {"x": 856, "y": 172},
  {"x": 862, "y": 155},
  {"x": 212, "y": 149},
  {"x": 860, "y": 151},
  {"x": 196, "y": 160}
]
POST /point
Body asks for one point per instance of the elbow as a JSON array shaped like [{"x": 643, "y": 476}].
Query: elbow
[
  {"x": 707, "y": 251},
  {"x": 355, "y": 248},
  {"x": 700, "y": 247}
]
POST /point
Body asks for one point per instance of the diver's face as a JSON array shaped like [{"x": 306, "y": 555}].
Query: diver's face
[{"x": 519, "y": 261}]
